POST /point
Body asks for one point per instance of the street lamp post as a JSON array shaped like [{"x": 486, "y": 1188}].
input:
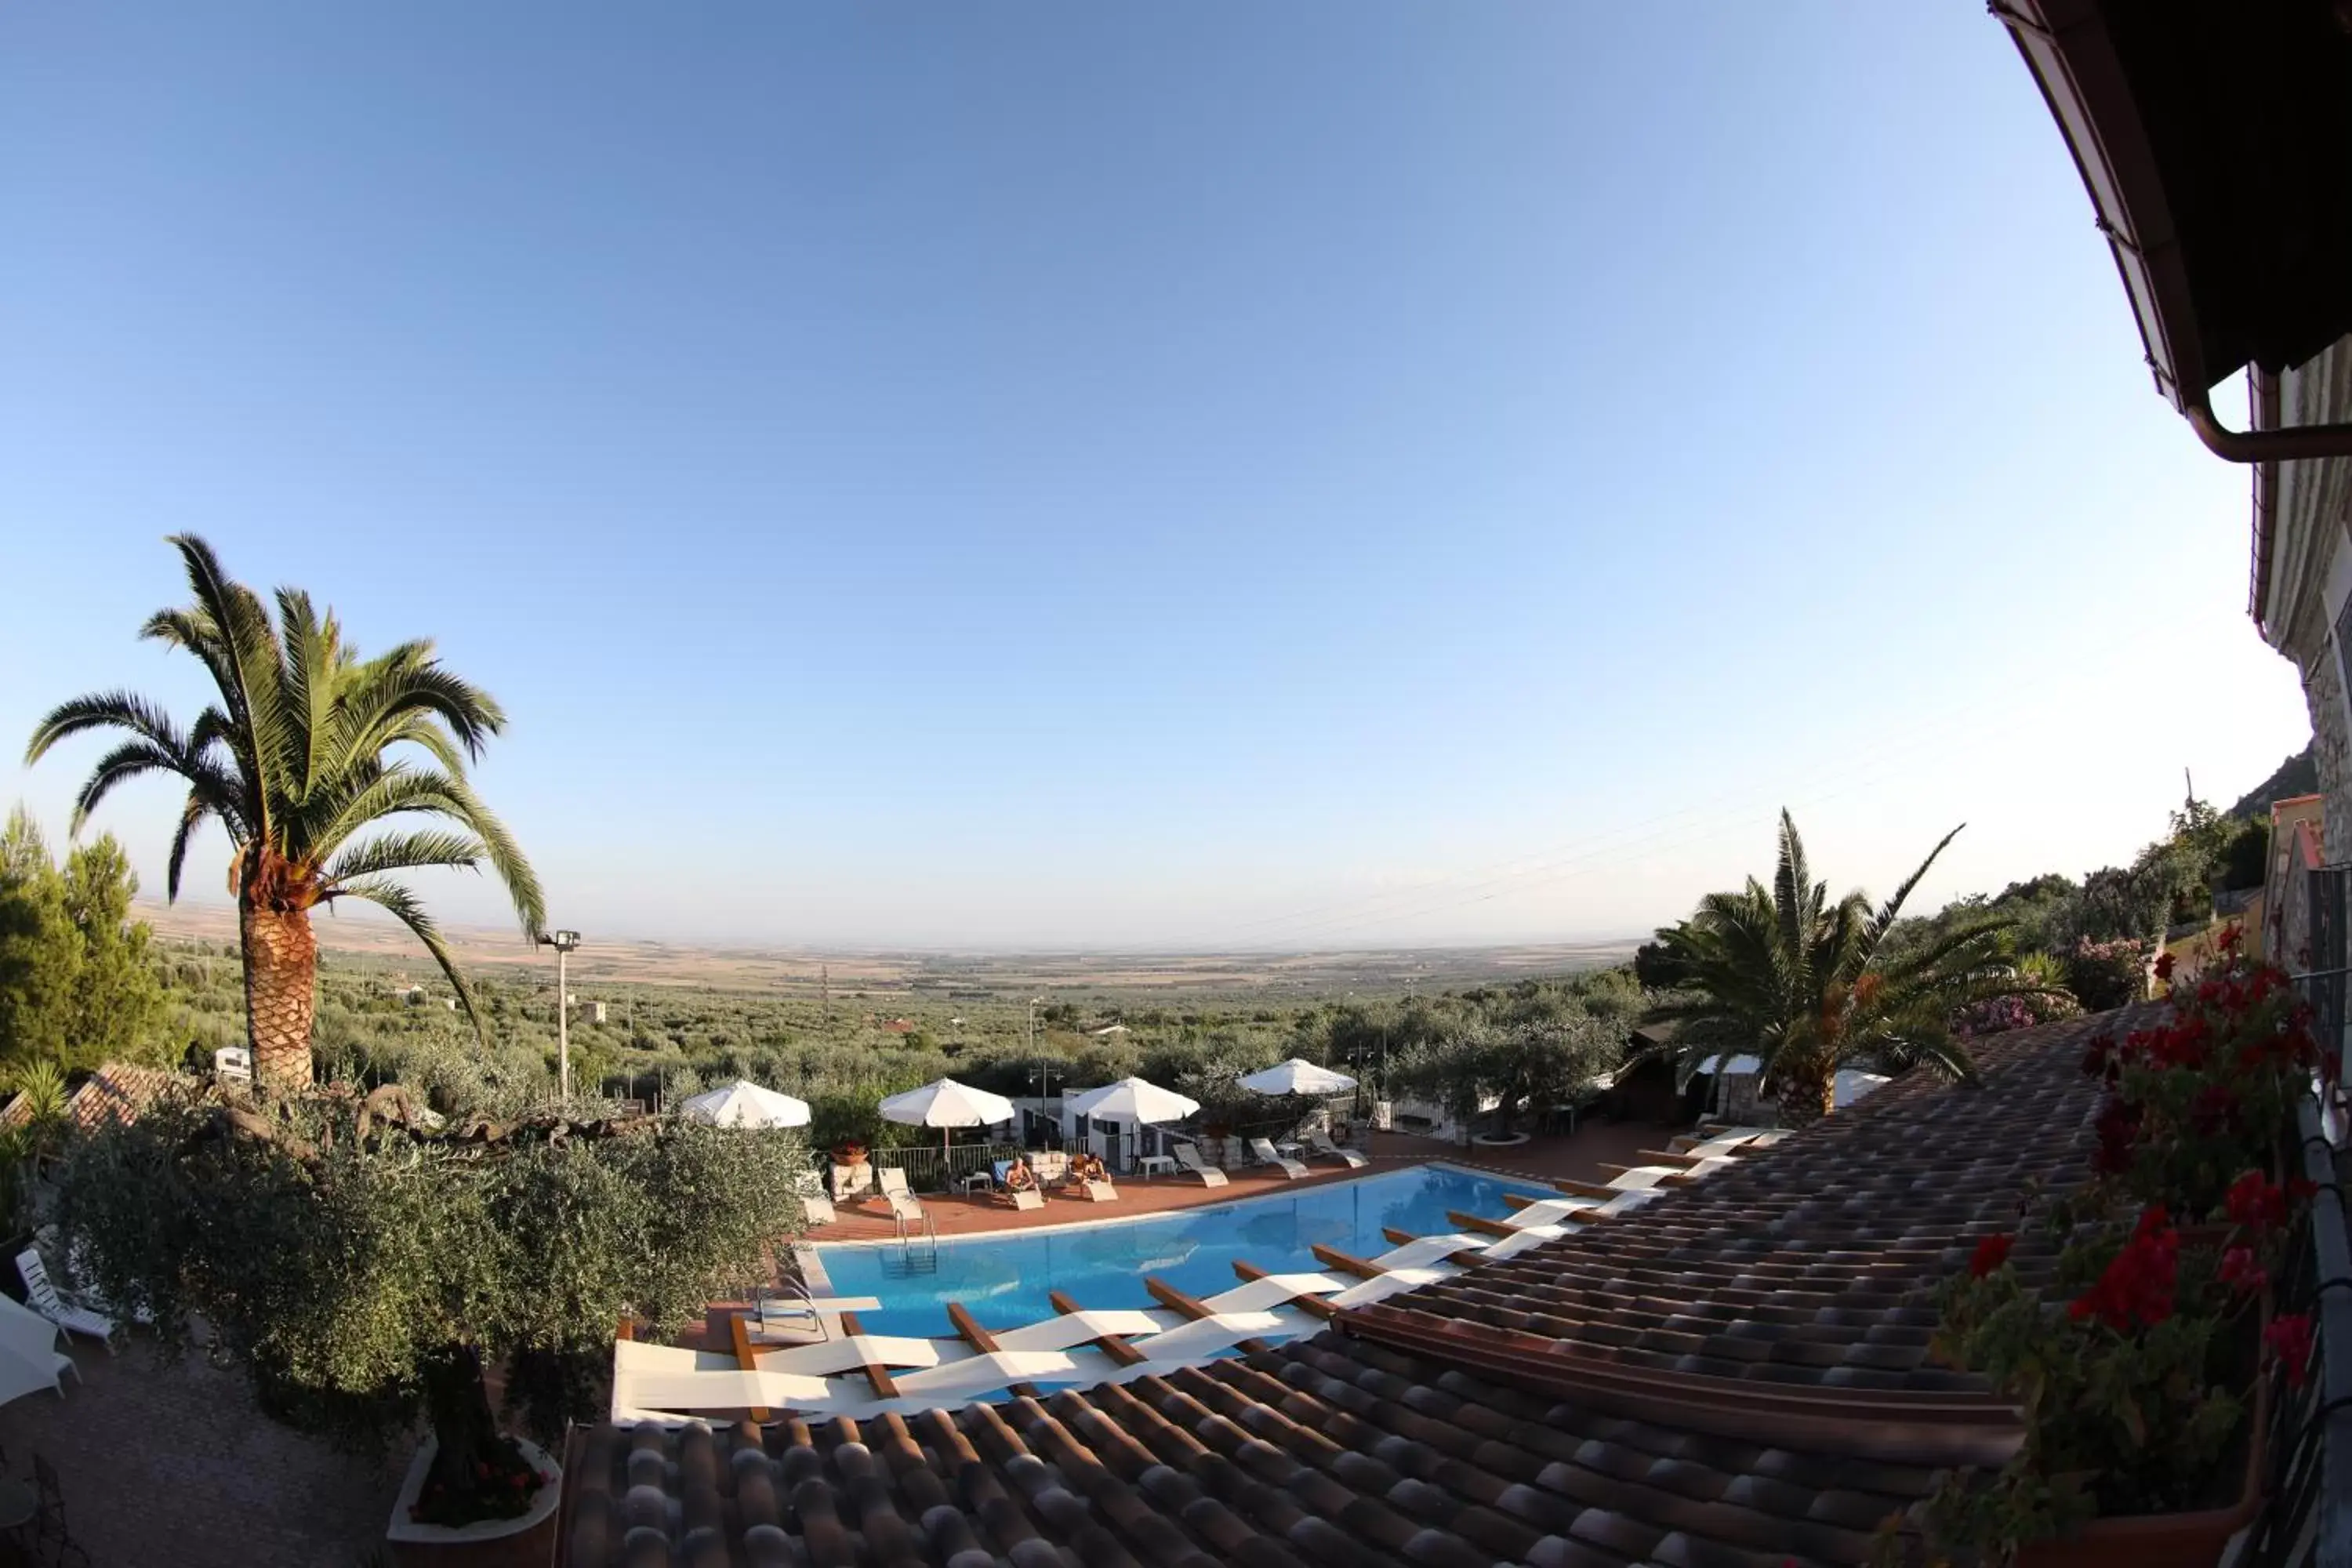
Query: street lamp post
[{"x": 563, "y": 942}]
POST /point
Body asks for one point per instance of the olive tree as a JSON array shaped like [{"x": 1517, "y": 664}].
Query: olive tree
[{"x": 364, "y": 1268}]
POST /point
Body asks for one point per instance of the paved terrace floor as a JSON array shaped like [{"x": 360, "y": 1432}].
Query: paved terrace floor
[
  {"x": 175, "y": 1464},
  {"x": 1578, "y": 1156}
]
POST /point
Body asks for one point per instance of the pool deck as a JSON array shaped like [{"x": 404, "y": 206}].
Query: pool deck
[{"x": 1578, "y": 1157}]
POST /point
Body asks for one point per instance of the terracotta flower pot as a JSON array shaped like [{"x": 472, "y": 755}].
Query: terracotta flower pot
[{"x": 2165, "y": 1540}]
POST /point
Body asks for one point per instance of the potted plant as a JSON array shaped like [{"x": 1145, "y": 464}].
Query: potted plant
[
  {"x": 2134, "y": 1330},
  {"x": 851, "y": 1154}
]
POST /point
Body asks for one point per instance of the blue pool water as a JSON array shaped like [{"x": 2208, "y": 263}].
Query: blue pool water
[{"x": 1003, "y": 1280}]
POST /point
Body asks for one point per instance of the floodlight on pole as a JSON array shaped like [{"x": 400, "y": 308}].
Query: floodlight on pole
[{"x": 563, "y": 942}]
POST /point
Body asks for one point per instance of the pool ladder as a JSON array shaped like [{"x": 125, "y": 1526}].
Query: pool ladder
[
  {"x": 767, "y": 1305},
  {"x": 909, "y": 1237}
]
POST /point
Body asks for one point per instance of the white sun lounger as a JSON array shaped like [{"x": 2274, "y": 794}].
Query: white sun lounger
[
  {"x": 1068, "y": 1331},
  {"x": 1269, "y": 1292},
  {"x": 1424, "y": 1251},
  {"x": 1263, "y": 1151},
  {"x": 1028, "y": 1197},
  {"x": 1552, "y": 1211},
  {"x": 1319, "y": 1144},
  {"x": 43, "y": 1298},
  {"x": 1188, "y": 1158},
  {"x": 816, "y": 1208},
  {"x": 851, "y": 1353}
]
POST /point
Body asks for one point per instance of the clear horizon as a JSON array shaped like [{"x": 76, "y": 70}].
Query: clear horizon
[{"x": 1352, "y": 476}]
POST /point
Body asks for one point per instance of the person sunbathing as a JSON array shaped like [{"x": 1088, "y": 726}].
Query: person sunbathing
[
  {"x": 1087, "y": 1168},
  {"x": 1018, "y": 1176}
]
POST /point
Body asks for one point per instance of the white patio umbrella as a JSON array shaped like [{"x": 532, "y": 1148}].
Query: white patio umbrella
[
  {"x": 1730, "y": 1065},
  {"x": 29, "y": 1358},
  {"x": 1132, "y": 1100},
  {"x": 947, "y": 1104},
  {"x": 1853, "y": 1083},
  {"x": 1298, "y": 1076},
  {"x": 745, "y": 1104}
]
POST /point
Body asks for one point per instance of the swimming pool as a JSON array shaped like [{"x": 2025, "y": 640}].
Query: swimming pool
[{"x": 1002, "y": 1280}]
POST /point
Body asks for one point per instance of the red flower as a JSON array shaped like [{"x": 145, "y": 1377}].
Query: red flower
[
  {"x": 2238, "y": 1269},
  {"x": 1991, "y": 1253},
  {"x": 2231, "y": 937},
  {"x": 2138, "y": 1287},
  {"x": 2164, "y": 967},
  {"x": 2214, "y": 1108},
  {"x": 2256, "y": 1202},
  {"x": 2118, "y": 1130},
  {"x": 2300, "y": 1189},
  {"x": 2289, "y": 1338}
]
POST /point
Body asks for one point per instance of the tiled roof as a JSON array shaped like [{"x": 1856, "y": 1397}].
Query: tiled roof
[
  {"x": 1809, "y": 1265},
  {"x": 1734, "y": 1374},
  {"x": 115, "y": 1092}
]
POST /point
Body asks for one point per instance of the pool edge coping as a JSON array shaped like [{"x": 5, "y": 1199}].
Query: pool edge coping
[{"x": 806, "y": 1252}]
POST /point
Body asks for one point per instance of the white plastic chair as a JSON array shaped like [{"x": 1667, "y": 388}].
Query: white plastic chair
[{"x": 45, "y": 1299}]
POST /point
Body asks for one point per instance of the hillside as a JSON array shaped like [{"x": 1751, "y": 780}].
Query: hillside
[
  {"x": 2299, "y": 774},
  {"x": 944, "y": 976}
]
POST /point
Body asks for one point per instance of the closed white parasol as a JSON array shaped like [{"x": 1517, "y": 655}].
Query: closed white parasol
[{"x": 745, "y": 1104}]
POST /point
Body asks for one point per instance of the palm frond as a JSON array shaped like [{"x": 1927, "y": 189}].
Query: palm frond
[
  {"x": 310, "y": 667},
  {"x": 130, "y": 760},
  {"x": 1893, "y": 909},
  {"x": 389, "y": 895},
  {"x": 405, "y": 852},
  {"x": 1791, "y": 880},
  {"x": 191, "y": 817},
  {"x": 106, "y": 711},
  {"x": 255, "y": 662},
  {"x": 401, "y": 790}
]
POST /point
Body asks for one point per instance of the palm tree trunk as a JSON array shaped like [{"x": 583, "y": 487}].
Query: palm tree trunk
[
  {"x": 1807, "y": 1095},
  {"x": 281, "y": 973}
]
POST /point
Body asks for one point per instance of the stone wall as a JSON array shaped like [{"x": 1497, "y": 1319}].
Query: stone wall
[{"x": 2331, "y": 729}]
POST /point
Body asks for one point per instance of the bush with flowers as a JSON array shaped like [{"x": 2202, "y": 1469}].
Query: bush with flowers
[
  {"x": 2131, "y": 1330},
  {"x": 2023, "y": 1010},
  {"x": 2107, "y": 974}
]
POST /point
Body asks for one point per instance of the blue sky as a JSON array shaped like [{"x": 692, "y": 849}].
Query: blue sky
[{"x": 1319, "y": 474}]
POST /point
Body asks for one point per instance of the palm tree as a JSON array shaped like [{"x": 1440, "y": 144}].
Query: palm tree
[
  {"x": 309, "y": 747},
  {"x": 1808, "y": 985}
]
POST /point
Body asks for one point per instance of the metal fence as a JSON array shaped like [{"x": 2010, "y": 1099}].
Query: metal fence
[
  {"x": 2306, "y": 1518},
  {"x": 933, "y": 1170}
]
